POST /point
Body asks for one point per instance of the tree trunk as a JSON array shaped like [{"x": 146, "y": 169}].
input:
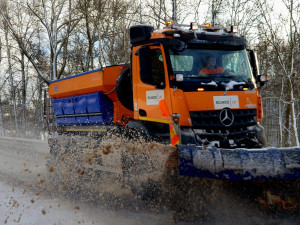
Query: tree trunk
[
  {"x": 1, "y": 122},
  {"x": 40, "y": 105},
  {"x": 13, "y": 96},
  {"x": 23, "y": 128},
  {"x": 287, "y": 132},
  {"x": 295, "y": 138},
  {"x": 280, "y": 124}
]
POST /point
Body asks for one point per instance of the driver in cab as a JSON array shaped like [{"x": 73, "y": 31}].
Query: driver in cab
[{"x": 211, "y": 67}]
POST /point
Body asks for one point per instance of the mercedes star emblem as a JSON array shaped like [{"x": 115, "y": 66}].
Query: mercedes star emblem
[{"x": 226, "y": 117}]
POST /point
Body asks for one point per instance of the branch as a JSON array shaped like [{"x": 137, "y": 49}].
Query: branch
[
  {"x": 33, "y": 93},
  {"x": 23, "y": 48}
]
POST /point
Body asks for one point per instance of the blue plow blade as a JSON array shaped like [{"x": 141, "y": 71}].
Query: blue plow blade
[{"x": 239, "y": 164}]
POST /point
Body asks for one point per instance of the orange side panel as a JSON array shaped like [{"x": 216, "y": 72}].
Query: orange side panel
[
  {"x": 110, "y": 77},
  {"x": 94, "y": 81},
  {"x": 76, "y": 85},
  {"x": 121, "y": 114},
  {"x": 135, "y": 68},
  {"x": 201, "y": 101}
]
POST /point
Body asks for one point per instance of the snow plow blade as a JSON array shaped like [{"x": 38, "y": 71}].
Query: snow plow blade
[{"x": 240, "y": 164}]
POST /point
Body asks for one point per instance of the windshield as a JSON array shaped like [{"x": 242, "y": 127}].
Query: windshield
[{"x": 212, "y": 69}]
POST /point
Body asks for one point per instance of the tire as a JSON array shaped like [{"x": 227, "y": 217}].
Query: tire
[
  {"x": 124, "y": 89},
  {"x": 138, "y": 131}
]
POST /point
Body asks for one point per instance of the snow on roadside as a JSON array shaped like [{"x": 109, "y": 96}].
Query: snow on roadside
[{"x": 18, "y": 206}]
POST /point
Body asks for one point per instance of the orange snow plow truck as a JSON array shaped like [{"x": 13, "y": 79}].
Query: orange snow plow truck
[{"x": 195, "y": 87}]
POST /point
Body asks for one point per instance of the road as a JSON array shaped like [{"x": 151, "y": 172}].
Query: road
[
  {"x": 30, "y": 193},
  {"x": 27, "y": 195}
]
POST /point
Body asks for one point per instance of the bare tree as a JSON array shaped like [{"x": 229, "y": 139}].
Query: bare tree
[
  {"x": 285, "y": 50},
  {"x": 242, "y": 13},
  {"x": 57, "y": 18},
  {"x": 2, "y": 132},
  {"x": 21, "y": 44},
  {"x": 216, "y": 6},
  {"x": 11, "y": 79},
  {"x": 114, "y": 38},
  {"x": 160, "y": 12}
]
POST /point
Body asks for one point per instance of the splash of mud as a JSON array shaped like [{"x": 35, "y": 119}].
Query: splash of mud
[
  {"x": 139, "y": 170},
  {"x": 79, "y": 177},
  {"x": 123, "y": 173}
]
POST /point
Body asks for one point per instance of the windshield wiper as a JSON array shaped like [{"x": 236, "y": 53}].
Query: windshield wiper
[{"x": 196, "y": 77}]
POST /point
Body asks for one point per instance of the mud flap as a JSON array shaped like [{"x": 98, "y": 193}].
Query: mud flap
[{"x": 240, "y": 164}]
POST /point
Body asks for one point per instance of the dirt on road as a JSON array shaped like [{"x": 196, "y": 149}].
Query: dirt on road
[{"x": 37, "y": 190}]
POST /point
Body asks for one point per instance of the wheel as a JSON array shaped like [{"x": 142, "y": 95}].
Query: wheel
[
  {"x": 124, "y": 89},
  {"x": 138, "y": 131}
]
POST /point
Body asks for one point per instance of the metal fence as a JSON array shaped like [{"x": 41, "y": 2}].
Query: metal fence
[{"x": 274, "y": 121}]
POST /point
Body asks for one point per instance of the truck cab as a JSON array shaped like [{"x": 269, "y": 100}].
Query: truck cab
[{"x": 208, "y": 79}]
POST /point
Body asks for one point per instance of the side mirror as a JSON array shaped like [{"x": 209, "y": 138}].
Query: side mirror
[
  {"x": 179, "y": 77},
  {"x": 262, "y": 79}
]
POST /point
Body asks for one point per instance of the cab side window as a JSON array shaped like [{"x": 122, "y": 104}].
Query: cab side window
[
  {"x": 151, "y": 66},
  {"x": 158, "y": 72}
]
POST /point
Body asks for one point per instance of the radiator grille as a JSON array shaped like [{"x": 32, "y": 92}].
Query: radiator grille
[{"x": 210, "y": 121}]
